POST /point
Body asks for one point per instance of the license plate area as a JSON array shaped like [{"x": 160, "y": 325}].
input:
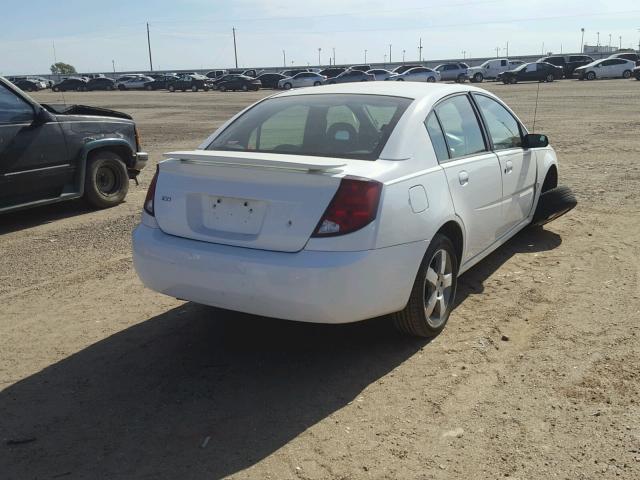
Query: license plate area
[{"x": 235, "y": 215}]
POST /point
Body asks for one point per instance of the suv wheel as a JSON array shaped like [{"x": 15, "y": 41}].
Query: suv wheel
[
  {"x": 626, "y": 74},
  {"x": 106, "y": 181},
  {"x": 478, "y": 78},
  {"x": 172, "y": 88},
  {"x": 433, "y": 293}
]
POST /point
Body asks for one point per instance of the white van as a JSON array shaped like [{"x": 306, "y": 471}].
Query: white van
[{"x": 491, "y": 69}]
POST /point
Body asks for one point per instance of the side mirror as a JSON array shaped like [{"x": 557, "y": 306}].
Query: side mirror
[
  {"x": 535, "y": 140},
  {"x": 41, "y": 117}
]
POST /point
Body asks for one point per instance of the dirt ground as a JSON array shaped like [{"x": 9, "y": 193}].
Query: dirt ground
[{"x": 103, "y": 379}]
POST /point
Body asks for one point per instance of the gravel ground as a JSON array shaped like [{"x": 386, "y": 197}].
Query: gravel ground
[{"x": 536, "y": 375}]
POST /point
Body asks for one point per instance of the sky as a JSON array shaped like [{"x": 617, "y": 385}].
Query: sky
[{"x": 197, "y": 34}]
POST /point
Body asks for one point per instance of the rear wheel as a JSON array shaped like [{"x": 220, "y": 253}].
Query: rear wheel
[
  {"x": 433, "y": 293},
  {"x": 461, "y": 78},
  {"x": 223, "y": 88},
  {"x": 106, "y": 180},
  {"x": 245, "y": 88},
  {"x": 55, "y": 89},
  {"x": 626, "y": 74},
  {"x": 194, "y": 88},
  {"x": 315, "y": 84},
  {"x": 549, "y": 78},
  {"x": 148, "y": 88},
  {"x": 172, "y": 88},
  {"x": 431, "y": 79}
]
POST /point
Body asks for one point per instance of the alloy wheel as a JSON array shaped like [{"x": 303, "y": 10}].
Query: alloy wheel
[{"x": 437, "y": 288}]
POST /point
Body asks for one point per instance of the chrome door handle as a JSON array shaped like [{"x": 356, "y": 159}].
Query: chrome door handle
[
  {"x": 463, "y": 177},
  {"x": 508, "y": 167}
]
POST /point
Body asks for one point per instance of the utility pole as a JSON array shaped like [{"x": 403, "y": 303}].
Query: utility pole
[
  {"x": 582, "y": 41},
  {"x": 497, "y": 52},
  {"x": 620, "y": 40},
  {"x": 598, "y": 42},
  {"x": 319, "y": 50},
  {"x": 609, "y": 41},
  {"x": 420, "y": 50},
  {"x": 389, "y": 53},
  {"x": 542, "y": 48},
  {"x": 149, "y": 45},
  {"x": 334, "y": 55},
  {"x": 365, "y": 56},
  {"x": 113, "y": 65},
  {"x": 507, "y": 49},
  {"x": 464, "y": 54},
  {"x": 403, "y": 55},
  {"x": 385, "y": 58},
  {"x": 235, "y": 50},
  {"x": 284, "y": 58}
]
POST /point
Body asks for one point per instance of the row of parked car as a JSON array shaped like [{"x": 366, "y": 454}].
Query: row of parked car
[{"x": 546, "y": 69}]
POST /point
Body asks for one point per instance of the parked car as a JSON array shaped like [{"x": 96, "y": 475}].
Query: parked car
[
  {"x": 417, "y": 74},
  {"x": 30, "y": 84},
  {"x": 332, "y": 72},
  {"x": 247, "y": 73},
  {"x": 135, "y": 83},
  {"x": 292, "y": 72},
  {"x": 47, "y": 81},
  {"x": 129, "y": 76},
  {"x": 404, "y": 68},
  {"x": 531, "y": 72},
  {"x": 491, "y": 69},
  {"x": 634, "y": 57},
  {"x": 453, "y": 71},
  {"x": 101, "y": 83},
  {"x": 636, "y": 73},
  {"x": 49, "y": 155},
  {"x": 361, "y": 68},
  {"x": 304, "y": 79},
  {"x": 352, "y": 76},
  {"x": 160, "y": 82},
  {"x": 380, "y": 73},
  {"x": 369, "y": 214},
  {"x": 215, "y": 74},
  {"x": 240, "y": 82},
  {"x": 214, "y": 83},
  {"x": 568, "y": 62},
  {"x": 190, "y": 82},
  {"x": 606, "y": 68},
  {"x": 270, "y": 80},
  {"x": 70, "y": 84}
]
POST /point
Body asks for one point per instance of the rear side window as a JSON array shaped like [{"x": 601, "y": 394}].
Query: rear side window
[
  {"x": 460, "y": 125},
  {"x": 12, "y": 108},
  {"x": 343, "y": 125},
  {"x": 437, "y": 137},
  {"x": 503, "y": 128}
]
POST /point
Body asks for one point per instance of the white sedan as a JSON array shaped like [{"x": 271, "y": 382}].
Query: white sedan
[
  {"x": 345, "y": 202},
  {"x": 417, "y": 74},
  {"x": 135, "y": 83},
  {"x": 606, "y": 68},
  {"x": 302, "y": 79}
]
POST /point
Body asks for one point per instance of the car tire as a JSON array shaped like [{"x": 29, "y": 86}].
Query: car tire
[
  {"x": 82, "y": 88},
  {"x": 122, "y": 88},
  {"x": 626, "y": 74},
  {"x": 148, "y": 88},
  {"x": 429, "y": 293},
  {"x": 194, "y": 88},
  {"x": 109, "y": 88},
  {"x": 431, "y": 79},
  {"x": 552, "y": 204},
  {"x": 171, "y": 88},
  {"x": 206, "y": 89},
  {"x": 549, "y": 78},
  {"x": 55, "y": 89},
  {"x": 400, "y": 80},
  {"x": 316, "y": 84},
  {"x": 106, "y": 181},
  {"x": 245, "y": 88},
  {"x": 506, "y": 81},
  {"x": 222, "y": 88},
  {"x": 478, "y": 78},
  {"x": 287, "y": 86},
  {"x": 590, "y": 76},
  {"x": 461, "y": 79}
]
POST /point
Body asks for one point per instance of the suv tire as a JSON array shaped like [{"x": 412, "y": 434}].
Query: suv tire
[{"x": 106, "y": 180}]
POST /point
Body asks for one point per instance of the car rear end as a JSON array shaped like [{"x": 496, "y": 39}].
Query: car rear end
[{"x": 278, "y": 235}]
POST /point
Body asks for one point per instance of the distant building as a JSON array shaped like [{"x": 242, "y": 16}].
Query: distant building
[{"x": 599, "y": 49}]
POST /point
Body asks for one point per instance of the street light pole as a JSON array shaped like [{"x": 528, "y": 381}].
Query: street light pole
[
  {"x": 235, "y": 50},
  {"x": 582, "y": 41},
  {"x": 284, "y": 58},
  {"x": 319, "y": 50},
  {"x": 365, "y": 55},
  {"x": 464, "y": 54},
  {"x": 334, "y": 55},
  {"x": 389, "y": 53},
  {"x": 403, "y": 55},
  {"x": 149, "y": 45},
  {"x": 420, "y": 50},
  {"x": 598, "y": 42},
  {"x": 609, "y": 41}
]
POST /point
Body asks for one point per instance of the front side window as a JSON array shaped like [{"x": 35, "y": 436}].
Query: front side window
[
  {"x": 342, "y": 125},
  {"x": 460, "y": 126},
  {"x": 503, "y": 128},
  {"x": 13, "y": 109}
]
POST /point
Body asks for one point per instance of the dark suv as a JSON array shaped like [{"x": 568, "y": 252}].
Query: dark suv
[
  {"x": 192, "y": 82},
  {"x": 568, "y": 62},
  {"x": 50, "y": 154},
  {"x": 73, "y": 83}
]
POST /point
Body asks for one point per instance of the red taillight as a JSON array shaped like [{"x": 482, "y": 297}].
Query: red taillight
[
  {"x": 151, "y": 193},
  {"x": 355, "y": 205}
]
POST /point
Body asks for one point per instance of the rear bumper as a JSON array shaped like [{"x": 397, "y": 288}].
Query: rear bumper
[{"x": 308, "y": 286}]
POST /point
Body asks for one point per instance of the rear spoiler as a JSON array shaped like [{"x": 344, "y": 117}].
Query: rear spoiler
[{"x": 258, "y": 160}]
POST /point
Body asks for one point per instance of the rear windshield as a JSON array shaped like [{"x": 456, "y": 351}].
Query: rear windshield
[{"x": 337, "y": 125}]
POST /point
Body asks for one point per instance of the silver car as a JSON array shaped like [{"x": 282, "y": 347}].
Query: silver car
[
  {"x": 302, "y": 79},
  {"x": 135, "y": 83},
  {"x": 417, "y": 74},
  {"x": 380, "y": 73},
  {"x": 458, "y": 72}
]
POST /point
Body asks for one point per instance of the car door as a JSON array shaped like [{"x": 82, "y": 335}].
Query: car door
[
  {"x": 472, "y": 171},
  {"x": 33, "y": 155},
  {"x": 518, "y": 166}
]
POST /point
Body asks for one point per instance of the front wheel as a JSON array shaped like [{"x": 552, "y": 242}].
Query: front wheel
[
  {"x": 55, "y": 89},
  {"x": 549, "y": 78},
  {"x": 172, "y": 88},
  {"x": 287, "y": 86},
  {"x": 478, "y": 78},
  {"x": 433, "y": 293},
  {"x": 626, "y": 74},
  {"x": 194, "y": 88},
  {"x": 316, "y": 84},
  {"x": 222, "y": 88},
  {"x": 591, "y": 76},
  {"x": 106, "y": 182},
  {"x": 461, "y": 79},
  {"x": 431, "y": 79}
]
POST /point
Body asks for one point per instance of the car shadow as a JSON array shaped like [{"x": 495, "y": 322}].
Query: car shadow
[
  {"x": 529, "y": 240},
  {"x": 33, "y": 217},
  {"x": 198, "y": 392},
  {"x": 195, "y": 392}
]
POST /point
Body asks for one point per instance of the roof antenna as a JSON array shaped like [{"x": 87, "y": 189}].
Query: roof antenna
[{"x": 535, "y": 111}]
